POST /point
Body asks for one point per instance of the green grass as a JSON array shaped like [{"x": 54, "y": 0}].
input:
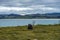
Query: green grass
[{"x": 39, "y": 32}]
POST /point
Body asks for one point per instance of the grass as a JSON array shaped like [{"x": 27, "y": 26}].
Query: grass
[{"x": 39, "y": 32}]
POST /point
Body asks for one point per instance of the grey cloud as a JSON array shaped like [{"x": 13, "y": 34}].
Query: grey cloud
[
  {"x": 25, "y": 3},
  {"x": 29, "y": 3}
]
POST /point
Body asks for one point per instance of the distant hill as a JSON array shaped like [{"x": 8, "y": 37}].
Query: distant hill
[
  {"x": 28, "y": 16},
  {"x": 55, "y": 14},
  {"x": 13, "y": 15},
  {"x": 52, "y": 15},
  {"x": 46, "y": 15},
  {"x": 7, "y": 16}
]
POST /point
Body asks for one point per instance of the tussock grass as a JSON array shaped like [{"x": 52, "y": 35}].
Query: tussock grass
[{"x": 39, "y": 32}]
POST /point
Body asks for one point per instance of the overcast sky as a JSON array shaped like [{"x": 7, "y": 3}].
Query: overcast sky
[{"x": 29, "y": 6}]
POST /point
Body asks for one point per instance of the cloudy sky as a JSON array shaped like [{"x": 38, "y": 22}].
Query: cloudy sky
[{"x": 29, "y": 6}]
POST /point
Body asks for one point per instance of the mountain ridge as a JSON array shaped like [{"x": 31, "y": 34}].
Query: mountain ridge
[{"x": 37, "y": 15}]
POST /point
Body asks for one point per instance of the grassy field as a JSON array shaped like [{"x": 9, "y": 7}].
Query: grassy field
[{"x": 39, "y": 32}]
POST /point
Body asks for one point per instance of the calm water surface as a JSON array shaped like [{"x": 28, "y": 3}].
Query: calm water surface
[{"x": 20, "y": 22}]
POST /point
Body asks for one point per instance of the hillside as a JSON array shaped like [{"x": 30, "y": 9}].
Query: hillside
[
  {"x": 40, "y": 32},
  {"x": 30, "y": 16}
]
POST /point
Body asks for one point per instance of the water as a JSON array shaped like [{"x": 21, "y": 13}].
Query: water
[{"x": 20, "y": 22}]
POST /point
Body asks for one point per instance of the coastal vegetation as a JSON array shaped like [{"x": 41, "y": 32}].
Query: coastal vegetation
[{"x": 39, "y": 32}]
